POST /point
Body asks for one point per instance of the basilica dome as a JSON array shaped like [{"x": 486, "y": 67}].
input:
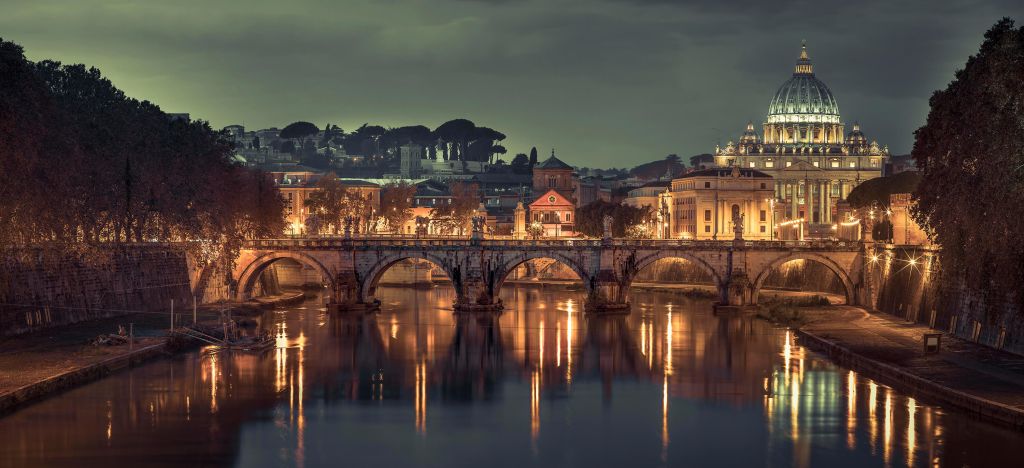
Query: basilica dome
[{"x": 803, "y": 98}]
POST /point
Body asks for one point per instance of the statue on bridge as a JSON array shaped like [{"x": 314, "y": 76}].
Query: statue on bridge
[
  {"x": 478, "y": 227},
  {"x": 607, "y": 227},
  {"x": 737, "y": 223}
]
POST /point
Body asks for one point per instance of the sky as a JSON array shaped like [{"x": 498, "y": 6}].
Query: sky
[{"x": 605, "y": 83}]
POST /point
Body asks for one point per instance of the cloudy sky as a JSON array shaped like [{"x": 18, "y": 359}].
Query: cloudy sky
[{"x": 604, "y": 82}]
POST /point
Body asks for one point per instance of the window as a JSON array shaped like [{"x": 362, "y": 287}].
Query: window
[
  {"x": 815, "y": 163},
  {"x": 762, "y": 229},
  {"x": 835, "y": 163},
  {"x": 763, "y": 186},
  {"x": 552, "y": 182},
  {"x": 853, "y": 164},
  {"x": 568, "y": 218},
  {"x": 789, "y": 163},
  {"x": 753, "y": 164},
  {"x": 764, "y": 216},
  {"x": 707, "y": 215},
  {"x": 707, "y": 184},
  {"x": 769, "y": 164},
  {"x": 707, "y": 228}
]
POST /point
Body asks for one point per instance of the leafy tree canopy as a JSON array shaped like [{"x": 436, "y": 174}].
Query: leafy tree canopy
[
  {"x": 877, "y": 191},
  {"x": 971, "y": 157},
  {"x": 299, "y": 130}
]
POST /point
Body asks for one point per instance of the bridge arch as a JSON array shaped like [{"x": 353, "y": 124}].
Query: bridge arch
[
  {"x": 844, "y": 276},
  {"x": 508, "y": 266},
  {"x": 253, "y": 270},
  {"x": 369, "y": 280},
  {"x": 664, "y": 254}
]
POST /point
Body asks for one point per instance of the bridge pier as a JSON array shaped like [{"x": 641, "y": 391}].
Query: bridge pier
[
  {"x": 606, "y": 296},
  {"x": 737, "y": 294},
  {"x": 345, "y": 295}
]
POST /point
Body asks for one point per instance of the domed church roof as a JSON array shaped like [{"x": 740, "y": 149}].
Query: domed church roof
[{"x": 803, "y": 98}]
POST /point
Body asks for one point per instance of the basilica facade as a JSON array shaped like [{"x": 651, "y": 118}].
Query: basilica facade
[{"x": 804, "y": 147}]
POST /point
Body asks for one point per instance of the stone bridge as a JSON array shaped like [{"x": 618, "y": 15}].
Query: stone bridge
[{"x": 477, "y": 268}]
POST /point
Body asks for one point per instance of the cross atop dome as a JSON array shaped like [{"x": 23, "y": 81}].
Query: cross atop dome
[{"x": 803, "y": 64}]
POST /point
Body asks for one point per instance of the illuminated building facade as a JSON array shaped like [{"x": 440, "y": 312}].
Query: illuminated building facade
[
  {"x": 704, "y": 202},
  {"x": 803, "y": 147}
]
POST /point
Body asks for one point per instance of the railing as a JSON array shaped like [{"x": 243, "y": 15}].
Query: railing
[{"x": 451, "y": 241}]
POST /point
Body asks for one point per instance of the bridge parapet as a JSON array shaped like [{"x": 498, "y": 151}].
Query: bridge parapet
[
  {"x": 478, "y": 267},
  {"x": 332, "y": 243}
]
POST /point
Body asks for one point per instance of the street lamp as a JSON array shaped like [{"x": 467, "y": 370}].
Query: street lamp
[{"x": 771, "y": 204}]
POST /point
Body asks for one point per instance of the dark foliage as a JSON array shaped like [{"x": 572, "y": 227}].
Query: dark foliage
[
  {"x": 590, "y": 218},
  {"x": 82, "y": 164},
  {"x": 876, "y": 191},
  {"x": 971, "y": 155}
]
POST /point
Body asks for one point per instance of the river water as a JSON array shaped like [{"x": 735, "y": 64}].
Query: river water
[{"x": 542, "y": 384}]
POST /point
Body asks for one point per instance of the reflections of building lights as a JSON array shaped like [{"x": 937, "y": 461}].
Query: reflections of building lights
[
  {"x": 300, "y": 424},
  {"x": 851, "y": 410},
  {"x": 394, "y": 327},
  {"x": 911, "y": 430},
  {"x": 558, "y": 344},
  {"x": 872, "y": 418},
  {"x": 569, "y": 309},
  {"x": 887, "y": 438},
  {"x": 420, "y": 397},
  {"x": 540, "y": 337},
  {"x": 281, "y": 357},
  {"x": 535, "y": 405},
  {"x": 213, "y": 381}
]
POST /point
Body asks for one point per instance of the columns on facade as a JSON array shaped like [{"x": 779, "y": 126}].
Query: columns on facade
[{"x": 793, "y": 208}]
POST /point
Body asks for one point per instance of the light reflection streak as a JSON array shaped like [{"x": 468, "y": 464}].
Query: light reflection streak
[
  {"x": 872, "y": 419},
  {"x": 887, "y": 440},
  {"x": 911, "y": 430},
  {"x": 535, "y": 405},
  {"x": 851, "y": 410},
  {"x": 569, "y": 306},
  {"x": 558, "y": 344},
  {"x": 421, "y": 397},
  {"x": 213, "y": 382},
  {"x": 664, "y": 387},
  {"x": 300, "y": 449}
]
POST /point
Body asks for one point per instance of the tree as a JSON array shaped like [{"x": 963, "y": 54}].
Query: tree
[
  {"x": 127, "y": 171},
  {"x": 336, "y": 205},
  {"x": 533, "y": 157},
  {"x": 454, "y": 137},
  {"x": 971, "y": 156},
  {"x": 590, "y": 218},
  {"x": 702, "y": 161},
  {"x": 454, "y": 217},
  {"x": 396, "y": 204},
  {"x": 876, "y": 191},
  {"x": 298, "y": 131},
  {"x": 520, "y": 164}
]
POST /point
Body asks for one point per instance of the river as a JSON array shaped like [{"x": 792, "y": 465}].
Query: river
[{"x": 541, "y": 384}]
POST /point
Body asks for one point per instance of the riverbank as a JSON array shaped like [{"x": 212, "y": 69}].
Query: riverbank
[{"x": 979, "y": 380}]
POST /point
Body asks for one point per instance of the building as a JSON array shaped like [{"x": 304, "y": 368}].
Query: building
[
  {"x": 554, "y": 213},
  {"x": 705, "y": 203},
  {"x": 410, "y": 160},
  {"x": 804, "y": 149},
  {"x": 657, "y": 197},
  {"x": 905, "y": 231},
  {"x": 553, "y": 174}
]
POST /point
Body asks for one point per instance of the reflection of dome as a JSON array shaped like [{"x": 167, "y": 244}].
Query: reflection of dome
[
  {"x": 803, "y": 98},
  {"x": 856, "y": 137}
]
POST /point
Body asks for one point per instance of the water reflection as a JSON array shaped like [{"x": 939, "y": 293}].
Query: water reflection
[{"x": 670, "y": 382}]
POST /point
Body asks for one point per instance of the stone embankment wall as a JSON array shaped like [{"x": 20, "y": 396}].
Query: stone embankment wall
[
  {"x": 41, "y": 288},
  {"x": 912, "y": 284}
]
